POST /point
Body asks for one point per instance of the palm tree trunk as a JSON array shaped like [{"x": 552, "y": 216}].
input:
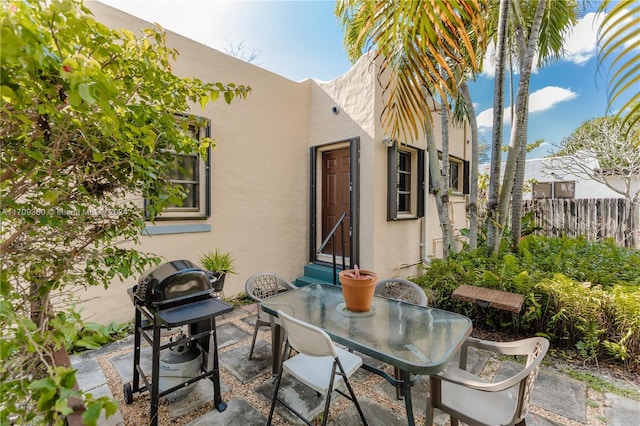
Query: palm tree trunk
[
  {"x": 518, "y": 125},
  {"x": 496, "y": 145},
  {"x": 518, "y": 186},
  {"x": 473, "y": 184},
  {"x": 438, "y": 192},
  {"x": 448, "y": 241}
]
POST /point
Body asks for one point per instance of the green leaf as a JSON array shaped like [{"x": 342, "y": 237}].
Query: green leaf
[
  {"x": 85, "y": 93},
  {"x": 98, "y": 157},
  {"x": 36, "y": 155},
  {"x": 7, "y": 94},
  {"x": 51, "y": 196},
  {"x": 62, "y": 406},
  {"x": 87, "y": 343},
  {"x": 92, "y": 414}
]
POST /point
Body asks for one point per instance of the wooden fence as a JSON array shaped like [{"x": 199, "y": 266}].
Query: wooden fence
[{"x": 595, "y": 218}]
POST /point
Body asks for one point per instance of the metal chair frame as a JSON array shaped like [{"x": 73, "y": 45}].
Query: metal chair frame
[
  {"x": 257, "y": 287},
  {"x": 316, "y": 358}
]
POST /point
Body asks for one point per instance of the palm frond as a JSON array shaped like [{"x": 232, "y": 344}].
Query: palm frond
[
  {"x": 422, "y": 44},
  {"x": 619, "y": 42}
]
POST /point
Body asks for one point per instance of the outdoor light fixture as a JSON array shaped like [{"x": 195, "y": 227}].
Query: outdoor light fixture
[
  {"x": 387, "y": 141},
  {"x": 335, "y": 109}
]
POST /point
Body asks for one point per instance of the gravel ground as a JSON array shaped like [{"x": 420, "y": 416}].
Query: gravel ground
[{"x": 137, "y": 413}]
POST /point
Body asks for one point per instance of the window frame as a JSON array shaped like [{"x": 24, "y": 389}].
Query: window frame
[
  {"x": 202, "y": 181},
  {"x": 464, "y": 170},
  {"x": 415, "y": 183},
  {"x": 565, "y": 193},
  {"x": 553, "y": 191}
]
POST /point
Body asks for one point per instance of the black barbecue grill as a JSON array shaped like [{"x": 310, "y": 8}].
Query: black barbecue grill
[
  {"x": 172, "y": 284},
  {"x": 174, "y": 294}
]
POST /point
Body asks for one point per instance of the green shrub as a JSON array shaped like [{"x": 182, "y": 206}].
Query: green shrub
[{"x": 580, "y": 294}]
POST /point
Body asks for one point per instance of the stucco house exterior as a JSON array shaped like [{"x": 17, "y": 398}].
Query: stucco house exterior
[{"x": 289, "y": 160}]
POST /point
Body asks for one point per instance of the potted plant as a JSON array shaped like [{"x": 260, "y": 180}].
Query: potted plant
[
  {"x": 219, "y": 264},
  {"x": 358, "y": 286}
]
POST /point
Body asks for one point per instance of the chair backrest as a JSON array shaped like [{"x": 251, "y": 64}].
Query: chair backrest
[
  {"x": 403, "y": 290},
  {"x": 306, "y": 338},
  {"x": 538, "y": 347},
  {"x": 265, "y": 284}
]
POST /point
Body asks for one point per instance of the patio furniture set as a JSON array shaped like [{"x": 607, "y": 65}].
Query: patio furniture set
[{"x": 399, "y": 330}]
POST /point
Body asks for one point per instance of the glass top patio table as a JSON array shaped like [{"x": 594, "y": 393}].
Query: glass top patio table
[{"x": 415, "y": 339}]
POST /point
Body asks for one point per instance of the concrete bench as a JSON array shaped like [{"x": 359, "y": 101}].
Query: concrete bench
[{"x": 486, "y": 297}]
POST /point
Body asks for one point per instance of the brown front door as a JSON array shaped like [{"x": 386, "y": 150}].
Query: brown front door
[{"x": 336, "y": 198}]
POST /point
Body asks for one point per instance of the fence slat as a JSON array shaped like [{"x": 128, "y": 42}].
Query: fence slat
[{"x": 595, "y": 218}]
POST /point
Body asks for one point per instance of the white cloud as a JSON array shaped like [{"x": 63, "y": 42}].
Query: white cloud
[
  {"x": 485, "y": 119},
  {"x": 540, "y": 100},
  {"x": 581, "y": 42},
  {"x": 548, "y": 97}
]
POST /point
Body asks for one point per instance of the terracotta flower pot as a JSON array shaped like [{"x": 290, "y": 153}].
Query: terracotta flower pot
[{"x": 358, "y": 292}]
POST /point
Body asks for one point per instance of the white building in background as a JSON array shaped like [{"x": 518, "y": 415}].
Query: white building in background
[{"x": 550, "y": 178}]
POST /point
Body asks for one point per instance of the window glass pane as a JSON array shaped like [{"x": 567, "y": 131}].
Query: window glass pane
[
  {"x": 191, "y": 199},
  {"x": 404, "y": 182},
  {"x": 404, "y": 161},
  {"x": 541, "y": 190},
  {"x": 564, "y": 189},
  {"x": 404, "y": 203},
  {"x": 185, "y": 168},
  {"x": 454, "y": 176}
]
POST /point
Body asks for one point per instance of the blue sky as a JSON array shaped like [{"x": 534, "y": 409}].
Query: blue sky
[{"x": 303, "y": 39}]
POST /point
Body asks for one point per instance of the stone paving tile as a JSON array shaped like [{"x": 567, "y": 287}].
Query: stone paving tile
[
  {"x": 299, "y": 396},
  {"x": 124, "y": 363},
  {"x": 375, "y": 414},
  {"x": 621, "y": 411},
  {"x": 202, "y": 394},
  {"x": 553, "y": 392},
  {"x": 238, "y": 413},
  {"x": 236, "y": 361},
  {"x": 88, "y": 374},
  {"x": 229, "y": 334}
]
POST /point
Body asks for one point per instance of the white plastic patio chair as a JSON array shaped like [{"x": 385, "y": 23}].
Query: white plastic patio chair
[
  {"x": 472, "y": 400},
  {"x": 259, "y": 286},
  {"x": 405, "y": 291},
  {"x": 318, "y": 364}
]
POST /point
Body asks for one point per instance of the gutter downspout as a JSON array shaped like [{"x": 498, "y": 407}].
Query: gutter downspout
[{"x": 425, "y": 226}]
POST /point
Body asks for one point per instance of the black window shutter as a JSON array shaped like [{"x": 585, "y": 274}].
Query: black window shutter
[
  {"x": 392, "y": 183},
  {"x": 421, "y": 183},
  {"x": 466, "y": 177}
]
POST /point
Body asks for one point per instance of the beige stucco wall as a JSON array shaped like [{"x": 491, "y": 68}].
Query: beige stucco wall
[{"x": 260, "y": 172}]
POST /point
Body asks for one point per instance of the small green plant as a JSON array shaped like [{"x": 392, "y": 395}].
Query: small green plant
[
  {"x": 219, "y": 262},
  {"x": 79, "y": 335},
  {"x": 601, "y": 385}
]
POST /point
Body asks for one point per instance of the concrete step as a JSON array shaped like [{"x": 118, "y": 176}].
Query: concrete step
[{"x": 315, "y": 273}]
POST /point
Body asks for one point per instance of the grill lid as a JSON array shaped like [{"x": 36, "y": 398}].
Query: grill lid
[{"x": 173, "y": 283}]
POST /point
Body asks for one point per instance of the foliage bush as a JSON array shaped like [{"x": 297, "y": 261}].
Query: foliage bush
[
  {"x": 89, "y": 130},
  {"x": 577, "y": 293}
]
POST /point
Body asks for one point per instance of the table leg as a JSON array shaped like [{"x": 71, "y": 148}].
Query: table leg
[
  {"x": 407, "y": 397},
  {"x": 277, "y": 337}
]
